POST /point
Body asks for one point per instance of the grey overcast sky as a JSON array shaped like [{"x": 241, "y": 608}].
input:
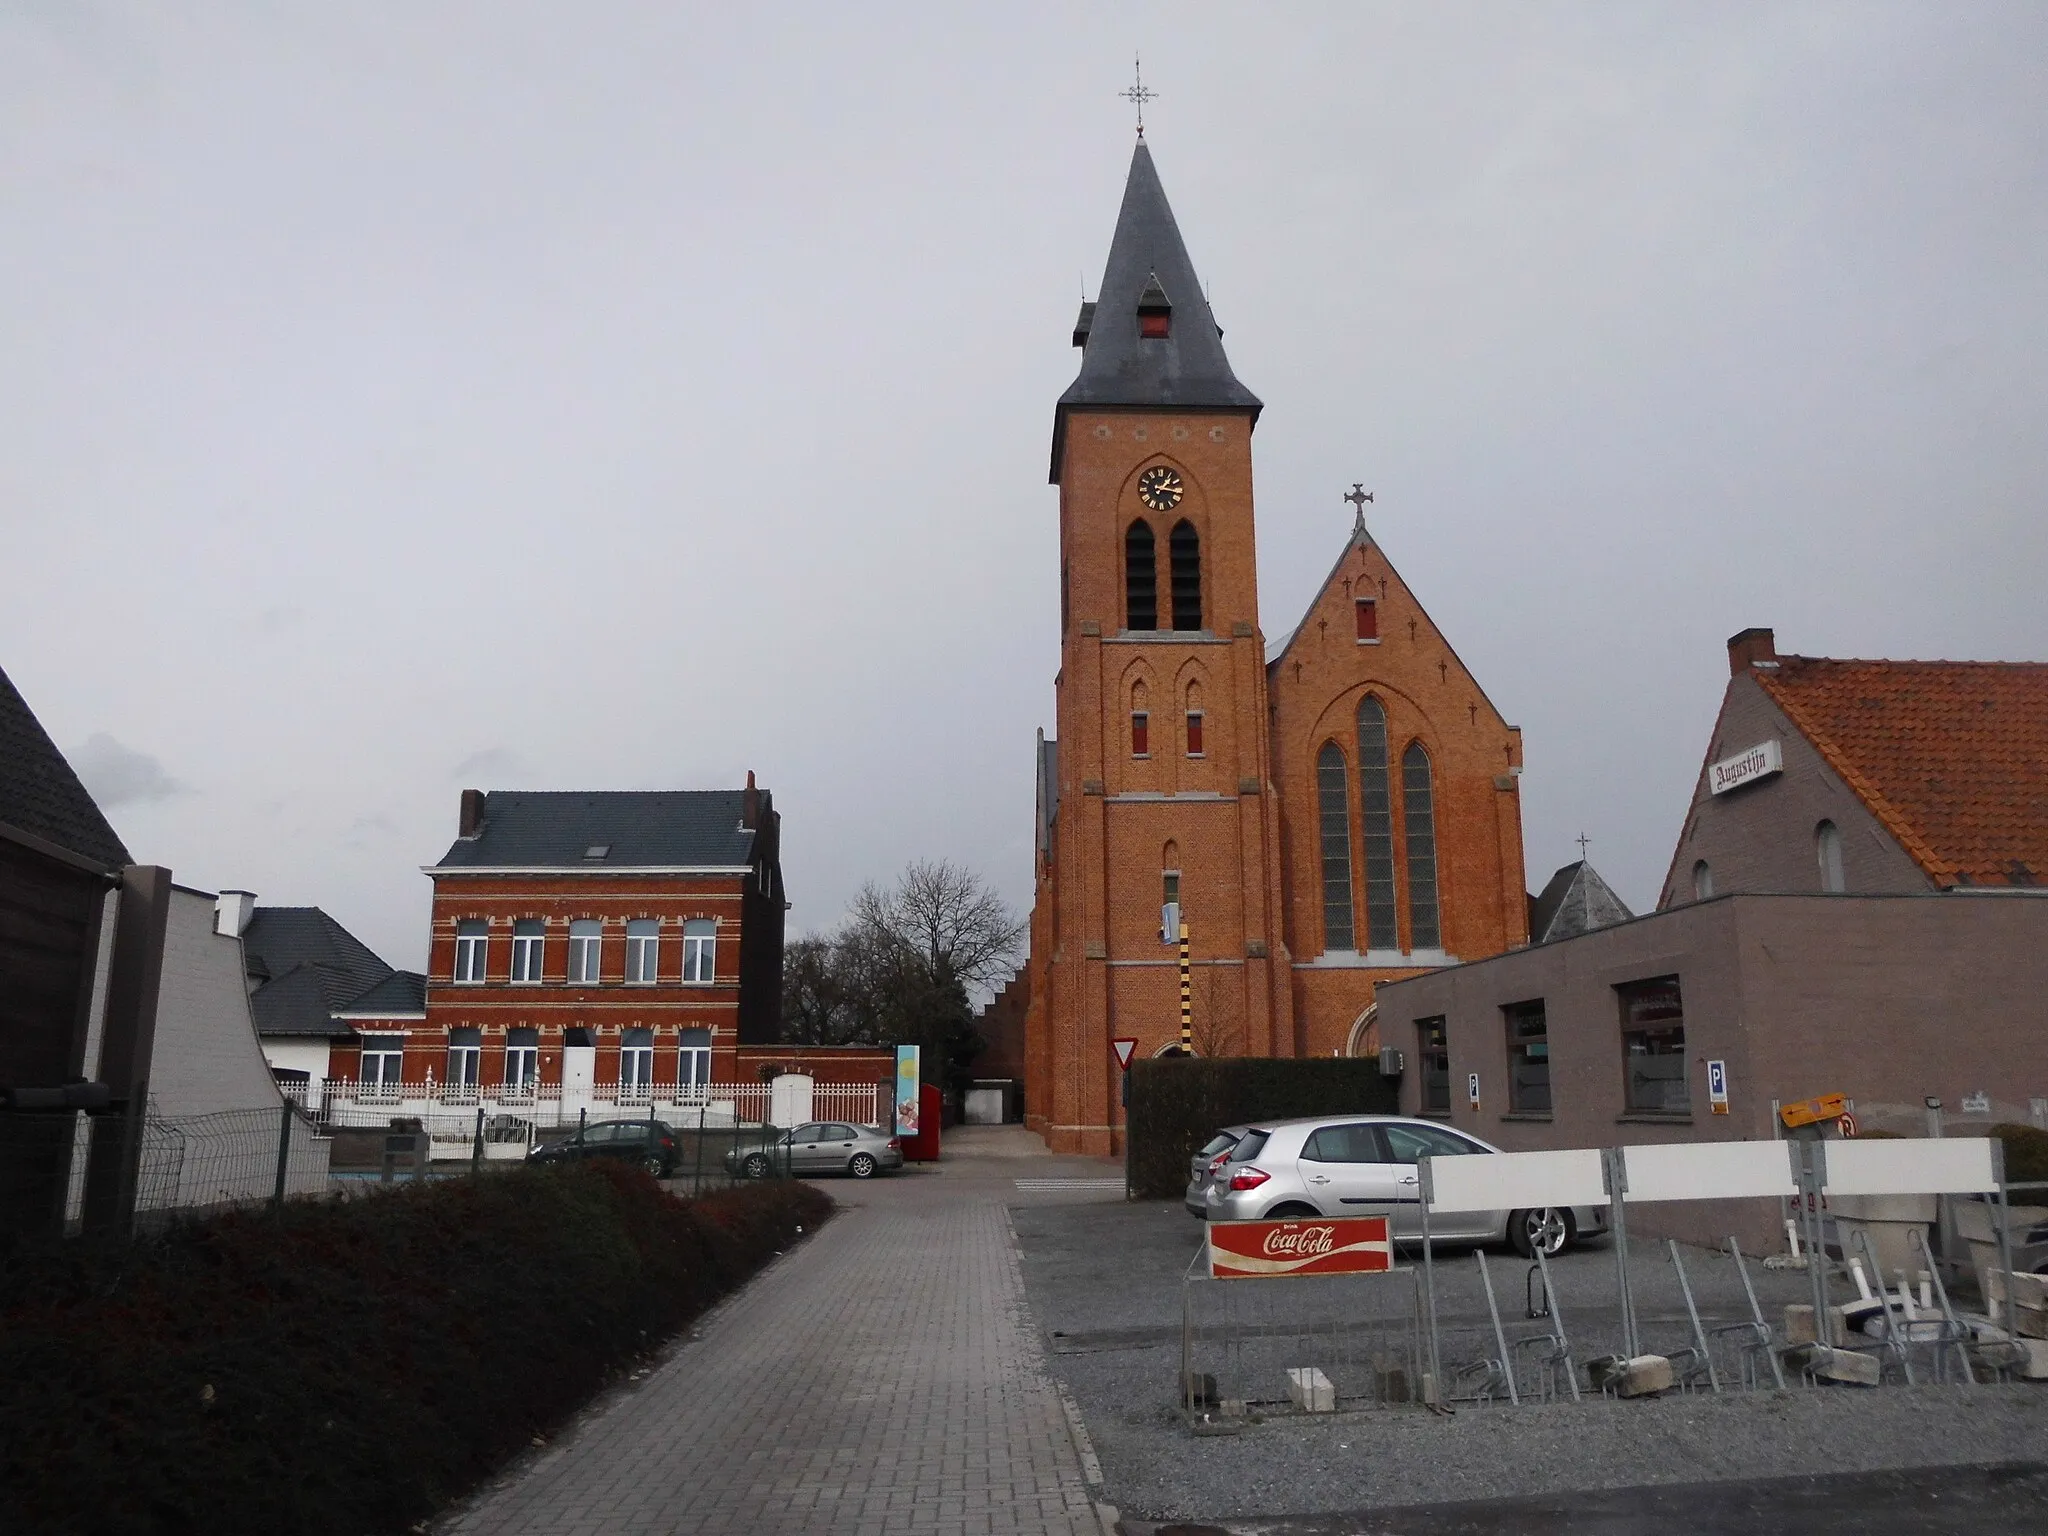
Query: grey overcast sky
[{"x": 400, "y": 397}]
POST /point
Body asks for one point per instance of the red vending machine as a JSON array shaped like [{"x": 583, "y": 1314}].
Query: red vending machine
[{"x": 923, "y": 1147}]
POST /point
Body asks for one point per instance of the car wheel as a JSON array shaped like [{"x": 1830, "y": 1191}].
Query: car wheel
[
  {"x": 1546, "y": 1227},
  {"x": 862, "y": 1166},
  {"x": 1290, "y": 1210},
  {"x": 756, "y": 1166},
  {"x": 655, "y": 1167}
]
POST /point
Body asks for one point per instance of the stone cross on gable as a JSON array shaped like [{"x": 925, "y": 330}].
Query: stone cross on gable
[{"x": 1358, "y": 496}]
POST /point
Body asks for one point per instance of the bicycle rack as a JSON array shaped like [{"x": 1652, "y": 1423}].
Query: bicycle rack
[{"x": 1754, "y": 1336}]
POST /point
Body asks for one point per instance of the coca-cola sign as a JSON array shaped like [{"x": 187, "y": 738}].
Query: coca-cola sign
[{"x": 1266, "y": 1250}]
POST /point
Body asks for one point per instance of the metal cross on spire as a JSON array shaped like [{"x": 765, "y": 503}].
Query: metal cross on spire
[
  {"x": 1582, "y": 841},
  {"x": 1136, "y": 94},
  {"x": 1358, "y": 496}
]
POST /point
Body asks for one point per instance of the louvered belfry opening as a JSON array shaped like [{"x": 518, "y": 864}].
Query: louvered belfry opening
[
  {"x": 1185, "y": 552},
  {"x": 1141, "y": 578}
]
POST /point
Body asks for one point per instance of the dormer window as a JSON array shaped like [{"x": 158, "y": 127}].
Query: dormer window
[{"x": 1155, "y": 311}]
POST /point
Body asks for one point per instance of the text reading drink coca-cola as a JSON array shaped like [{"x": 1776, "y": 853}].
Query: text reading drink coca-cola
[{"x": 1265, "y": 1250}]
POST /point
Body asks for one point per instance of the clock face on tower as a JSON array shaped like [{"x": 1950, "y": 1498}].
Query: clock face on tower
[{"x": 1159, "y": 488}]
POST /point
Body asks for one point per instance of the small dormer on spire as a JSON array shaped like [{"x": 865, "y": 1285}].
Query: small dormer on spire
[
  {"x": 1155, "y": 311},
  {"x": 1085, "y": 323}
]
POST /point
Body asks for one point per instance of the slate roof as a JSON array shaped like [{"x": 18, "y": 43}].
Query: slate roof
[
  {"x": 1575, "y": 901},
  {"x": 399, "y": 993},
  {"x": 672, "y": 828},
  {"x": 1187, "y": 368},
  {"x": 1951, "y": 756},
  {"x": 308, "y": 967},
  {"x": 40, "y": 794}
]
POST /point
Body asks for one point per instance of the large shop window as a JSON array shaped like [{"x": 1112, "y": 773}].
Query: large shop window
[
  {"x": 522, "y": 1061},
  {"x": 465, "y": 1053},
  {"x": 472, "y": 943},
  {"x": 700, "y": 950},
  {"x": 1433, "y": 1059},
  {"x": 643, "y": 940},
  {"x": 529, "y": 937},
  {"x": 693, "y": 1065},
  {"x": 1376, "y": 800},
  {"x": 636, "y": 1066},
  {"x": 1333, "y": 797},
  {"x": 586, "y": 939},
  {"x": 1528, "y": 1058},
  {"x": 1653, "y": 1047}
]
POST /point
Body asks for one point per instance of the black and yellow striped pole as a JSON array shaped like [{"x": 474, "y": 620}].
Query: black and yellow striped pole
[{"x": 1187, "y": 1014}]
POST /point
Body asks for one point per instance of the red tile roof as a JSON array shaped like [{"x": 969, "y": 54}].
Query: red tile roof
[{"x": 1952, "y": 756}]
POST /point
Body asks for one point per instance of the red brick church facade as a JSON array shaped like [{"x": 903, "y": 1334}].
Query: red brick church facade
[{"x": 1340, "y": 813}]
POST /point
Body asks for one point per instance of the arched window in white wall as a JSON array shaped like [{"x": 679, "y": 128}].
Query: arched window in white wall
[
  {"x": 1827, "y": 847},
  {"x": 1702, "y": 881}
]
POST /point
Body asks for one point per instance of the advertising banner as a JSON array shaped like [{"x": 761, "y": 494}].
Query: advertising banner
[
  {"x": 906, "y": 1090},
  {"x": 1267, "y": 1250}
]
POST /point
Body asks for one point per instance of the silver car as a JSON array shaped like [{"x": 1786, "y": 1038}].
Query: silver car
[
  {"x": 1208, "y": 1158},
  {"x": 1364, "y": 1165},
  {"x": 823, "y": 1146}
]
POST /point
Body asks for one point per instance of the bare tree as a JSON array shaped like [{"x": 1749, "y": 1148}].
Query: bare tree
[
  {"x": 1218, "y": 1022},
  {"x": 957, "y": 926}
]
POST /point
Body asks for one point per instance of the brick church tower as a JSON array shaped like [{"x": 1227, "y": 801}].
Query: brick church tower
[{"x": 1164, "y": 796}]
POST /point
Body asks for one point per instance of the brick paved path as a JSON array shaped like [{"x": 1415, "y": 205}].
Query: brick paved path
[{"x": 884, "y": 1378}]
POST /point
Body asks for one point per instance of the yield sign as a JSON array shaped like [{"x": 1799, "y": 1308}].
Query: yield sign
[{"x": 1123, "y": 1045}]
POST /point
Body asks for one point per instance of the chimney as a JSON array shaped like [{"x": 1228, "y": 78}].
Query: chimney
[
  {"x": 750, "y": 803},
  {"x": 472, "y": 813},
  {"x": 1751, "y": 648},
  {"x": 231, "y": 913}
]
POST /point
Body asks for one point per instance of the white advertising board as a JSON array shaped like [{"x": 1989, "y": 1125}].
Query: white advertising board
[
  {"x": 1709, "y": 1170},
  {"x": 1758, "y": 762},
  {"x": 1954, "y": 1165},
  {"x": 1513, "y": 1180}
]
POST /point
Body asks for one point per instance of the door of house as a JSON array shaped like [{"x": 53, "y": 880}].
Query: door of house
[{"x": 579, "y": 1077}]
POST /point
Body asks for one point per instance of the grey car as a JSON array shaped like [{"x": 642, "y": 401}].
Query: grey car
[
  {"x": 1209, "y": 1157},
  {"x": 822, "y": 1146},
  {"x": 1364, "y": 1165}
]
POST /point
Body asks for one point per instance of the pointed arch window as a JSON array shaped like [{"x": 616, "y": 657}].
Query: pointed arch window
[
  {"x": 1333, "y": 794},
  {"x": 1827, "y": 847},
  {"x": 1418, "y": 811},
  {"x": 1376, "y": 801},
  {"x": 1184, "y": 551},
  {"x": 1141, "y": 578}
]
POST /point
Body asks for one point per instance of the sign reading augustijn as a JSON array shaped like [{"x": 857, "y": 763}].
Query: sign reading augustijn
[
  {"x": 1266, "y": 1250},
  {"x": 1746, "y": 767}
]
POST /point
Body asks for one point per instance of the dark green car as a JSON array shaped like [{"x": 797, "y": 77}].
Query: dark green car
[{"x": 649, "y": 1144}]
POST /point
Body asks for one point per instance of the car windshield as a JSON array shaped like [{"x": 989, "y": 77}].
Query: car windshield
[
  {"x": 1222, "y": 1141},
  {"x": 1253, "y": 1144}
]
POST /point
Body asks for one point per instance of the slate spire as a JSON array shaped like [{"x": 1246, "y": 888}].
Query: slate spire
[{"x": 1125, "y": 359}]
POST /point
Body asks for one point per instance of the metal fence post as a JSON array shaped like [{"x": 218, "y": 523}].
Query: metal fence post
[
  {"x": 476, "y": 1150},
  {"x": 697, "y": 1178},
  {"x": 284, "y": 1156},
  {"x": 1615, "y": 1171},
  {"x": 1427, "y": 1192}
]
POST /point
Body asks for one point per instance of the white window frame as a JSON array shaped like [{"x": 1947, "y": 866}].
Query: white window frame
[
  {"x": 693, "y": 1074},
  {"x": 643, "y": 953},
  {"x": 700, "y": 951},
  {"x": 522, "y": 1071},
  {"x": 472, "y": 952},
  {"x": 637, "y": 1084},
  {"x": 586, "y": 952},
  {"x": 382, "y": 1048},
  {"x": 465, "y": 1069},
  {"x": 528, "y": 952}
]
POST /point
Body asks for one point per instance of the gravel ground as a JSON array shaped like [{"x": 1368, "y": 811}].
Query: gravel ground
[{"x": 1104, "y": 1282}]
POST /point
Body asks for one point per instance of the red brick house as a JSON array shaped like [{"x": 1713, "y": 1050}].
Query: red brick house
[{"x": 602, "y": 950}]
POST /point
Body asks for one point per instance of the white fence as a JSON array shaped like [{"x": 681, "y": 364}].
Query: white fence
[{"x": 449, "y": 1109}]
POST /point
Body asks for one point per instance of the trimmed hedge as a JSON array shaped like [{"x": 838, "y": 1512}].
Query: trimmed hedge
[
  {"x": 348, "y": 1366},
  {"x": 1177, "y": 1103},
  {"x": 2026, "y": 1158}
]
